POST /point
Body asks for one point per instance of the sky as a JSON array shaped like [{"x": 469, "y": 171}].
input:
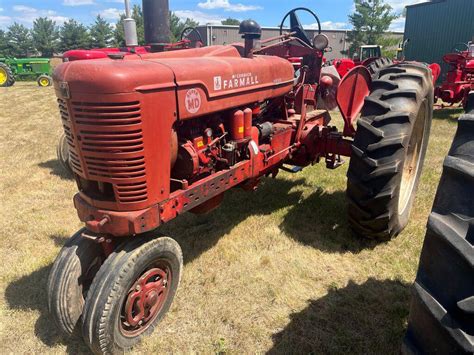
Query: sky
[{"x": 332, "y": 13}]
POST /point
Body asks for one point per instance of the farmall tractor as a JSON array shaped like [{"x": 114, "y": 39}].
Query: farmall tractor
[
  {"x": 155, "y": 135},
  {"x": 459, "y": 80}
]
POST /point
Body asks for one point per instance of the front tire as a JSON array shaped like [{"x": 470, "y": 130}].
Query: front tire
[
  {"x": 44, "y": 80},
  {"x": 62, "y": 153},
  {"x": 131, "y": 293},
  {"x": 389, "y": 149},
  {"x": 70, "y": 278}
]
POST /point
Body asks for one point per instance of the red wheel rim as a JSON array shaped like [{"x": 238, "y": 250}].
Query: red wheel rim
[{"x": 145, "y": 299}]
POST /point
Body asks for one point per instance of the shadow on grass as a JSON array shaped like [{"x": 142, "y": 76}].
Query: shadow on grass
[
  {"x": 29, "y": 294},
  {"x": 198, "y": 233},
  {"x": 358, "y": 319},
  {"x": 321, "y": 221},
  {"x": 56, "y": 168},
  {"x": 318, "y": 220},
  {"x": 450, "y": 114}
]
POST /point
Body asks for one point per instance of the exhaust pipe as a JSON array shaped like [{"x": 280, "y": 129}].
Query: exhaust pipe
[
  {"x": 129, "y": 27},
  {"x": 157, "y": 23}
]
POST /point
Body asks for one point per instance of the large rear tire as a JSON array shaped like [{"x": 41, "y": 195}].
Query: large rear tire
[
  {"x": 442, "y": 311},
  {"x": 389, "y": 149},
  {"x": 69, "y": 281},
  {"x": 131, "y": 293},
  {"x": 377, "y": 65},
  {"x": 6, "y": 76}
]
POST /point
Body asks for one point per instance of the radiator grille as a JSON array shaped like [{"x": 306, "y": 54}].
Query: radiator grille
[
  {"x": 110, "y": 138},
  {"x": 73, "y": 156}
]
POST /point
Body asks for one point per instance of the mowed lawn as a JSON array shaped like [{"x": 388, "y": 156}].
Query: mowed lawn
[{"x": 276, "y": 270}]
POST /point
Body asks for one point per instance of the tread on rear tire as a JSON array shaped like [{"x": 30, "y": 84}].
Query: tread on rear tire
[
  {"x": 389, "y": 149},
  {"x": 441, "y": 317}
]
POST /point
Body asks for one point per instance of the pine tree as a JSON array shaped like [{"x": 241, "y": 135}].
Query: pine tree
[
  {"x": 101, "y": 33},
  {"x": 4, "y": 50},
  {"x": 73, "y": 35},
  {"x": 19, "y": 41},
  {"x": 370, "y": 21},
  {"x": 45, "y": 35}
]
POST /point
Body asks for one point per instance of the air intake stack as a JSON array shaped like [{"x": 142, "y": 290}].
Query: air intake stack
[
  {"x": 129, "y": 27},
  {"x": 157, "y": 23}
]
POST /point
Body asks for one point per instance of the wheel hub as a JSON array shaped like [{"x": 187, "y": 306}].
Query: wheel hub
[
  {"x": 411, "y": 164},
  {"x": 3, "y": 76},
  {"x": 144, "y": 301}
]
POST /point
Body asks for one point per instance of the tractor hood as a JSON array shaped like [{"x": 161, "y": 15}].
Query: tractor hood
[{"x": 215, "y": 77}]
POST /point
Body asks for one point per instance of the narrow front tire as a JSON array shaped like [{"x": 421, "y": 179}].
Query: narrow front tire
[{"x": 131, "y": 293}]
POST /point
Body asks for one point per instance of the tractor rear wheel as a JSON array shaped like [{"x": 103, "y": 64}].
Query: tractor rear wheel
[
  {"x": 69, "y": 280},
  {"x": 131, "y": 293},
  {"x": 62, "y": 153},
  {"x": 389, "y": 149},
  {"x": 44, "y": 80},
  {"x": 441, "y": 317},
  {"x": 377, "y": 65},
  {"x": 6, "y": 76}
]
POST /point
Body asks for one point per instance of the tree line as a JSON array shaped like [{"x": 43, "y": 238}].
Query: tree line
[{"x": 45, "y": 38}]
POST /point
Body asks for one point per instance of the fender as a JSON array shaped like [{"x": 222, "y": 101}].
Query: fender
[{"x": 351, "y": 92}]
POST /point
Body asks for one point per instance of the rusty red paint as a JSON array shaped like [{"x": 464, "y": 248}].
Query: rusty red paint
[
  {"x": 145, "y": 299},
  {"x": 352, "y": 91}
]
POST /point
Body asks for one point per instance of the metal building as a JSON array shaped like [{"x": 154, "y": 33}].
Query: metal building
[
  {"x": 434, "y": 28},
  {"x": 222, "y": 34}
]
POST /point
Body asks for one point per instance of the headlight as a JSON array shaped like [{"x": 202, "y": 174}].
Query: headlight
[{"x": 320, "y": 42}]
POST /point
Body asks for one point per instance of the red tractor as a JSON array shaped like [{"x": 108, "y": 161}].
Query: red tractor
[
  {"x": 155, "y": 135},
  {"x": 459, "y": 80}
]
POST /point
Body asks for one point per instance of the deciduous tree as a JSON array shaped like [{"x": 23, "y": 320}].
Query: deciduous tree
[
  {"x": 231, "y": 21},
  {"x": 370, "y": 21}
]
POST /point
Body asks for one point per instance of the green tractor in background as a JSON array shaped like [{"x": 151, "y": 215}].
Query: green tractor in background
[{"x": 38, "y": 69}]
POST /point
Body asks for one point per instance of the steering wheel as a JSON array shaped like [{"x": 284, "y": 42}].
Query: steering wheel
[
  {"x": 187, "y": 32},
  {"x": 296, "y": 26},
  {"x": 456, "y": 48}
]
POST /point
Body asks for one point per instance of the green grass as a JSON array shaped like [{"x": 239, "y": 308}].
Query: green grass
[{"x": 276, "y": 270}]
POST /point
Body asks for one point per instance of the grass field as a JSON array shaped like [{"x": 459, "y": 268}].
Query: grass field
[{"x": 272, "y": 271}]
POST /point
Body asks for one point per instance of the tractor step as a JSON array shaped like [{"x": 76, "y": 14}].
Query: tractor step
[{"x": 294, "y": 169}]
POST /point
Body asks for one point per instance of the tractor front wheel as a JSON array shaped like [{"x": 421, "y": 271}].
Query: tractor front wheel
[
  {"x": 131, "y": 293},
  {"x": 389, "y": 149},
  {"x": 6, "y": 76},
  {"x": 62, "y": 152},
  {"x": 70, "y": 279},
  {"x": 44, "y": 80}
]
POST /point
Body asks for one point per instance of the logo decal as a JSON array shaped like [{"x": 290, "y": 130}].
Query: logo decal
[
  {"x": 193, "y": 101},
  {"x": 217, "y": 83}
]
